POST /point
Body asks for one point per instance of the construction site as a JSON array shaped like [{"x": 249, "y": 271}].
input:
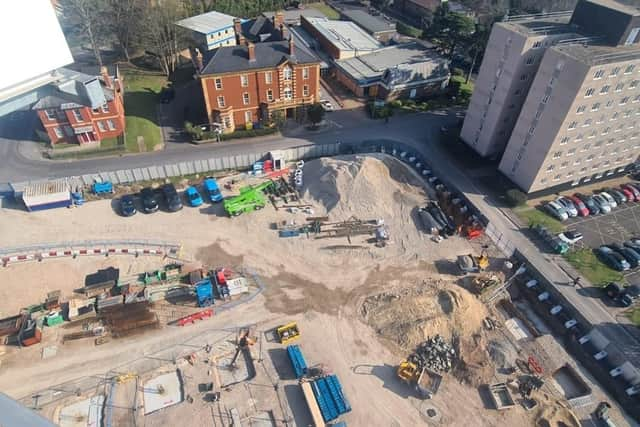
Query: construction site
[{"x": 354, "y": 290}]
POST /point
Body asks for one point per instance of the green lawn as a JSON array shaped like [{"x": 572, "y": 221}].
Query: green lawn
[
  {"x": 586, "y": 262},
  {"x": 330, "y": 12},
  {"x": 463, "y": 85},
  {"x": 532, "y": 216},
  {"x": 635, "y": 316},
  {"x": 141, "y": 98}
]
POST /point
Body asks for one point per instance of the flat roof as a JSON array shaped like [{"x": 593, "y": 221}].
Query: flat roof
[
  {"x": 596, "y": 54},
  {"x": 207, "y": 22},
  {"x": 373, "y": 24},
  {"x": 625, "y": 8},
  {"x": 344, "y": 35},
  {"x": 292, "y": 16},
  {"x": 543, "y": 24}
]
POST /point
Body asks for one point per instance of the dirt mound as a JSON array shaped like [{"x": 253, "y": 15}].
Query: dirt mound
[
  {"x": 365, "y": 186},
  {"x": 407, "y": 316}
]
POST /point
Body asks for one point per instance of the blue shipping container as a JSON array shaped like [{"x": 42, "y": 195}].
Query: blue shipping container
[{"x": 297, "y": 360}]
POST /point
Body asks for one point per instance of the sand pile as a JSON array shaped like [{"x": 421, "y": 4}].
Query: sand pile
[
  {"x": 371, "y": 186},
  {"x": 406, "y": 317}
]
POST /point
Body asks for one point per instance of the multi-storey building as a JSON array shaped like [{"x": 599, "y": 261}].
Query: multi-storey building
[
  {"x": 578, "y": 118},
  {"x": 244, "y": 85},
  {"x": 211, "y": 30},
  {"x": 83, "y": 109}
]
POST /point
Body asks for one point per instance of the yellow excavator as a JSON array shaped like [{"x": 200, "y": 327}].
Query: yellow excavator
[
  {"x": 425, "y": 381},
  {"x": 287, "y": 333}
]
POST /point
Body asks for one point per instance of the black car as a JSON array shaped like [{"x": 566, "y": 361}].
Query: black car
[
  {"x": 149, "y": 202},
  {"x": 630, "y": 254},
  {"x": 173, "y": 199},
  {"x": 167, "y": 94},
  {"x": 127, "y": 205},
  {"x": 589, "y": 203},
  {"x": 617, "y": 195}
]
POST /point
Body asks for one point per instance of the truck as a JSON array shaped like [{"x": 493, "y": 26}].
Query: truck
[
  {"x": 425, "y": 381},
  {"x": 204, "y": 293},
  {"x": 249, "y": 199},
  {"x": 212, "y": 189}
]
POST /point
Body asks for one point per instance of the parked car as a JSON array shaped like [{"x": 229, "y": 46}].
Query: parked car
[
  {"x": 612, "y": 258},
  {"x": 127, "y": 205},
  {"x": 589, "y": 203},
  {"x": 570, "y": 236},
  {"x": 174, "y": 203},
  {"x": 580, "y": 206},
  {"x": 167, "y": 94},
  {"x": 193, "y": 196},
  {"x": 327, "y": 105},
  {"x": 602, "y": 203},
  {"x": 609, "y": 198},
  {"x": 633, "y": 190},
  {"x": 558, "y": 245},
  {"x": 212, "y": 189},
  {"x": 568, "y": 206},
  {"x": 633, "y": 244},
  {"x": 630, "y": 294},
  {"x": 632, "y": 257},
  {"x": 556, "y": 210},
  {"x": 149, "y": 201},
  {"x": 618, "y": 195}
]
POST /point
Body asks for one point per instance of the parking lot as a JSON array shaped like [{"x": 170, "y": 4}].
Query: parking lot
[{"x": 621, "y": 224}]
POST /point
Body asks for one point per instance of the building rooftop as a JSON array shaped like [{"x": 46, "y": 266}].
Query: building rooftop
[
  {"x": 595, "y": 54},
  {"x": 207, "y": 22},
  {"x": 371, "y": 23},
  {"x": 412, "y": 58},
  {"x": 540, "y": 24},
  {"x": 292, "y": 16},
  {"x": 72, "y": 89},
  {"x": 626, "y": 8},
  {"x": 268, "y": 55},
  {"x": 344, "y": 35},
  {"x": 304, "y": 41}
]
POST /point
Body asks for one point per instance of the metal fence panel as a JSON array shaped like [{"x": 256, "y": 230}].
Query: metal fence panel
[{"x": 137, "y": 174}]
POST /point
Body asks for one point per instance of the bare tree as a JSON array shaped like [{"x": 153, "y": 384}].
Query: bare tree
[
  {"x": 160, "y": 35},
  {"x": 123, "y": 19},
  {"x": 85, "y": 18}
]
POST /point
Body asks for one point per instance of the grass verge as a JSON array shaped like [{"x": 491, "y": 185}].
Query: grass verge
[
  {"x": 586, "y": 262},
  {"x": 634, "y": 316},
  {"x": 532, "y": 216},
  {"x": 330, "y": 12},
  {"x": 141, "y": 98}
]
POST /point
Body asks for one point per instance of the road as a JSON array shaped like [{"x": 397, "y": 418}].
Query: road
[{"x": 418, "y": 130}]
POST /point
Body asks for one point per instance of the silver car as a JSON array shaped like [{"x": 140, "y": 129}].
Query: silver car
[
  {"x": 602, "y": 203},
  {"x": 568, "y": 206}
]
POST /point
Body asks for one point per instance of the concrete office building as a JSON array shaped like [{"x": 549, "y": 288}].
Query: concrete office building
[{"x": 574, "y": 116}]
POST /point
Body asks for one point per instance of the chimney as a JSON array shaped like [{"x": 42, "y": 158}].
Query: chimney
[
  {"x": 237, "y": 28},
  {"x": 284, "y": 32},
  {"x": 252, "y": 51},
  {"x": 197, "y": 55},
  {"x": 278, "y": 19},
  {"x": 104, "y": 72},
  {"x": 292, "y": 51}
]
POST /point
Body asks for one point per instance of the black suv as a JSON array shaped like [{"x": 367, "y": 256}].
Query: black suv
[
  {"x": 149, "y": 202},
  {"x": 173, "y": 199}
]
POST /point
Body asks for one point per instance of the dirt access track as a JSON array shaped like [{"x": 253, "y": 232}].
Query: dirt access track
[{"x": 322, "y": 283}]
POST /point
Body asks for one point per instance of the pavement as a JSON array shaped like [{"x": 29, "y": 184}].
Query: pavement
[{"x": 420, "y": 130}]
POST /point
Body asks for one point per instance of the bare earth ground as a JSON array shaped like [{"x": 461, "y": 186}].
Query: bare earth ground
[{"x": 307, "y": 280}]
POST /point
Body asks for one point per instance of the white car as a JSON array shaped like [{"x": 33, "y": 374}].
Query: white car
[
  {"x": 327, "y": 105},
  {"x": 609, "y": 199},
  {"x": 571, "y": 237},
  {"x": 556, "y": 210}
]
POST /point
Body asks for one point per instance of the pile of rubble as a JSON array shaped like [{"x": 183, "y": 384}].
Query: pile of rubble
[{"x": 435, "y": 354}]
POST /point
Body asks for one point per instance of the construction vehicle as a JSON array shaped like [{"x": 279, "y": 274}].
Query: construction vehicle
[
  {"x": 602, "y": 413},
  {"x": 425, "y": 381},
  {"x": 473, "y": 264},
  {"x": 250, "y": 198},
  {"x": 244, "y": 341},
  {"x": 287, "y": 333},
  {"x": 204, "y": 293}
]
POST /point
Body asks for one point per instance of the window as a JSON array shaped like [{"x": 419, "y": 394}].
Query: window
[
  {"x": 606, "y": 130},
  {"x": 268, "y": 78},
  {"x": 600, "y": 119},
  {"x": 609, "y": 104},
  {"x": 624, "y": 100},
  {"x": 550, "y": 168},
  {"x": 111, "y": 125},
  {"x": 587, "y": 123},
  {"x": 628, "y": 113},
  {"x": 577, "y": 161},
  {"x": 571, "y": 152},
  {"x": 610, "y": 141},
  {"x": 305, "y": 73},
  {"x": 564, "y": 140},
  {"x": 557, "y": 177},
  {"x": 530, "y": 60},
  {"x": 245, "y": 98},
  {"x": 593, "y": 134},
  {"x": 287, "y": 73},
  {"x": 269, "y": 95},
  {"x": 579, "y": 138},
  {"x": 564, "y": 165},
  {"x": 58, "y": 132},
  {"x": 557, "y": 154},
  {"x": 615, "y": 116},
  {"x": 105, "y": 108},
  {"x": 595, "y": 107},
  {"x": 545, "y": 99},
  {"x": 614, "y": 72},
  {"x": 51, "y": 114},
  {"x": 523, "y": 77},
  {"x": 305, "y": 90},
  {"x": 581, "y": 109},
  {"x": 605, "y": 89},
  {"x": 68, "y": 130},
  {"x": 221, "y": 101},
  {"x": 598, "y": 75},
  {"x": 619, "y": 87},
  {"x": 634, "y": 84},
  {"x": 77, "y": 115},
  {"x": 537, "y": 45},
  {"x": 589, "y": 92},
  {"x": 218, "y": 84},
  {"x": 226, "y": 122},
  {"x": 287, "y": 93},
  {"x": 636, "y": 98},
  {"x": 101, "y": 126},
  {"x": 248, "y": 117},
  {"x": 629, "y": 69},
  {"x": 244, "y": 80},
  {"x": 585, "y": 147},
  {"x": 598, "y": 144},
  {"x": 573, "y": 125}
]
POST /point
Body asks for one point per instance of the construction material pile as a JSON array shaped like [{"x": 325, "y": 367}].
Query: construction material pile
[{"x": 435, "y": 353}]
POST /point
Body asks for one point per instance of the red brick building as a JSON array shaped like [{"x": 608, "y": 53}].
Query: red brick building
[
  {"x": 243, "y": 85},
  {"x": 82, "y": 109}
]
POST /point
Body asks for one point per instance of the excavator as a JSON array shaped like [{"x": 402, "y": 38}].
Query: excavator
[
  {"x": 473, "y": 264},
  {"x": 423, "y": 380}
]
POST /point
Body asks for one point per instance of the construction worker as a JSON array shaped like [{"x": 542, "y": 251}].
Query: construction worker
[{"x": 576, "y": 281}]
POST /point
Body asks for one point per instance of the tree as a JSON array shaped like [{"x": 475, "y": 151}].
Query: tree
[
  {"x": 516, "y": 197},
  {"x": 123, "y": 20},
  {"x": 160, "y": 36},
  {"x": 315, "y": 113},
  {"x": 85, "y": 18},
  {"x": 450, "y": 30}
]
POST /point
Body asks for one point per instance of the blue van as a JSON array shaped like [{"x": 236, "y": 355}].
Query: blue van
[{"x": 212, "y": 189}]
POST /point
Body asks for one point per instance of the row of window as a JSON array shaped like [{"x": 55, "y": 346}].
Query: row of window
[
  {"x": 287, "y": 75},
  {"x": 613, "y": 72},
  {"x": 605, "y": 131},
  {"x": 53, "y": 114},
  {"x": 591, "y": 157},
  {"x": 68, "y": 130},
  {"x": 584, "y": 171},
  {"x": 615, "y": 116},
  {"x": 246, "y": 100},
  {"x": 606, "y": 88},
  {"x": 596, "y": 106}
]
